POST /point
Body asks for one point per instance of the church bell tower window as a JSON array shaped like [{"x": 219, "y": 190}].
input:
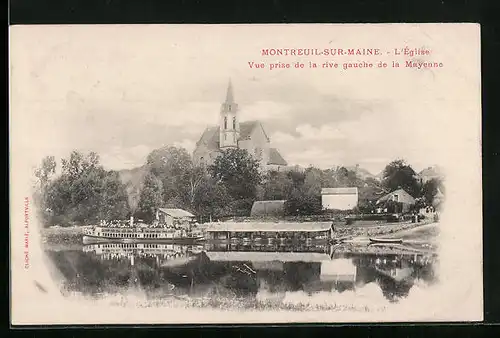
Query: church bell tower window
[
  {"x": 234, "y": 123},
  {"x": 225, "y": 122}
]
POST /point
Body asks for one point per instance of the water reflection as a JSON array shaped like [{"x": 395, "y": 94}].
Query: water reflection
[{"x": 163, "y": 270}]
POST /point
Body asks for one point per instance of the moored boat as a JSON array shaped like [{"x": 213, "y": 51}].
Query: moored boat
[
  {"x": 143, "y": 233},
  {"x": 386, "y": 240},
  {"x": 139, "y": 235}
]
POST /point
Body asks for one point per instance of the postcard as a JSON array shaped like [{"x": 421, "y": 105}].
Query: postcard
[{"x": 194, "y": 174}]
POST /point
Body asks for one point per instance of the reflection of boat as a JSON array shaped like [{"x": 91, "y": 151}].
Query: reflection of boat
[
  {"x": 386, "y": 240},
  {"x": 165, "y": 255}
]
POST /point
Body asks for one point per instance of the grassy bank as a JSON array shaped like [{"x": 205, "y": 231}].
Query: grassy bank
[
  {"x": 62, "y": 235},
  {"x": 387, "y": 229}
]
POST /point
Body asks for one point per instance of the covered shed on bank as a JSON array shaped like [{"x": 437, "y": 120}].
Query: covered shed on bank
[
  {"x": 269, "y": 230},
  {"x": 276, "y": 208}
]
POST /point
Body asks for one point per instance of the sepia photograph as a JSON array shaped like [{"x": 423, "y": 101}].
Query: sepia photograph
[{"x": 173, "y": 174}]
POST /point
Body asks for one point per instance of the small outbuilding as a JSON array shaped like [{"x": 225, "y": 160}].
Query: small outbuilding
[{"x": 174, "y": 217}]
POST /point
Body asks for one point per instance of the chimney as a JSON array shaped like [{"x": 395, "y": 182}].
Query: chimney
[{"x": 131, "y": 221}]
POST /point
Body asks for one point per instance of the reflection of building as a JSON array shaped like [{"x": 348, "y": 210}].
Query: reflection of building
[
  {"x": 265, "y": 257},
  {"x": 338, "y": 270},
  {"x": 336, "y": 274},
  {"x": 231, "y": 133},
  {"x": 174, "y": 217}
]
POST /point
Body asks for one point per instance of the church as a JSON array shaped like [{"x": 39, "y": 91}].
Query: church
[{"x": 231, "y": 133}]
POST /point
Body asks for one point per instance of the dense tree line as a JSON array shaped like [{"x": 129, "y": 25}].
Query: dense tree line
[{"x": 84, "y": 192}]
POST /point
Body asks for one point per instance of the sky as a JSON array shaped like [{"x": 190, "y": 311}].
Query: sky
[{"x": 124, "y": 91}]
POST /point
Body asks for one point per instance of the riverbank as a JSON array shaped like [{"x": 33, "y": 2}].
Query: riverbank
[
  {"x": 424, "y": 231},
  {"x": 389, "y": 230}
]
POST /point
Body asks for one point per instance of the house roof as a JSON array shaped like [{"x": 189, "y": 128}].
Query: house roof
[
  {"x": 275, "y": 157},
  {"x": 268, "y": 207},
  {"x": 269, "y": 227},
  {"x": 431, "y": 172},
  {"x": 176, "y": 212},
  {"x": 403, "y": 197},
  {"x": 361, "y": 172},
  {"x": 255, "y": 256},
  {"x": 339, "y": 191}
]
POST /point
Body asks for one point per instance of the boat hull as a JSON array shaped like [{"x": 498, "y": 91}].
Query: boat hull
[
  {"x": 386, "y": 240},
  {"x": 89, "y": 239}
]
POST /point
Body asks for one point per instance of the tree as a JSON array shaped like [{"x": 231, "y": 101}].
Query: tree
[
  {"x": 46, "y": 170},
  {"x": 238, "y": 171},
  {"x": 150, "y": 198},
  {"x": 211, "y": 199},
  {"x": 114, "y": 201},
  {"x": 276, "y": 185},
  {"x": 399, "y": 175},
  {"x": 174, "y": 168},
  {"x": 430, "y": 189},
  {"x": 43, "y": 174},
  {"x": 85, "y": 192}
]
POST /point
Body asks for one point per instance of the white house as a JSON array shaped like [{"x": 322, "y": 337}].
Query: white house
[{"x": 339, "y": 198}]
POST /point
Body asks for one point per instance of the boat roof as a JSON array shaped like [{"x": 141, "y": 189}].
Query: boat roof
[
  {"x": 268, "y": 227},
  {"x": 255, "y": 256}
]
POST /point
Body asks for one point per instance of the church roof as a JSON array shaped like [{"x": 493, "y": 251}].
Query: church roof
[
  {"x": 246, "y": 129},
  {"x": 210, "y": 136},
  {"x": 275, "y": 157}
]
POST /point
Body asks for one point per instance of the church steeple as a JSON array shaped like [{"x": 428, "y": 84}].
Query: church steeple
[
  {"x": 229, "y": 95},
  {"x": 229, "y": 124}
]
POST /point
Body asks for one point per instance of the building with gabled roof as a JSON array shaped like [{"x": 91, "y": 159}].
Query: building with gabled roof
[
  {"x": 231, "y": 133},
  {"x": 399, "y": 196},
  {"x": 173, "y": 216}
]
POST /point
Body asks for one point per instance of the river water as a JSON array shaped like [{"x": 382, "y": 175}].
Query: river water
[{"x": 216, "y": 272}]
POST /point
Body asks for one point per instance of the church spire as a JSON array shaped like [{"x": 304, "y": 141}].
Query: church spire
[
  {"x": 229, "y": 94},
  {"x": 229, "y": 124}
]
